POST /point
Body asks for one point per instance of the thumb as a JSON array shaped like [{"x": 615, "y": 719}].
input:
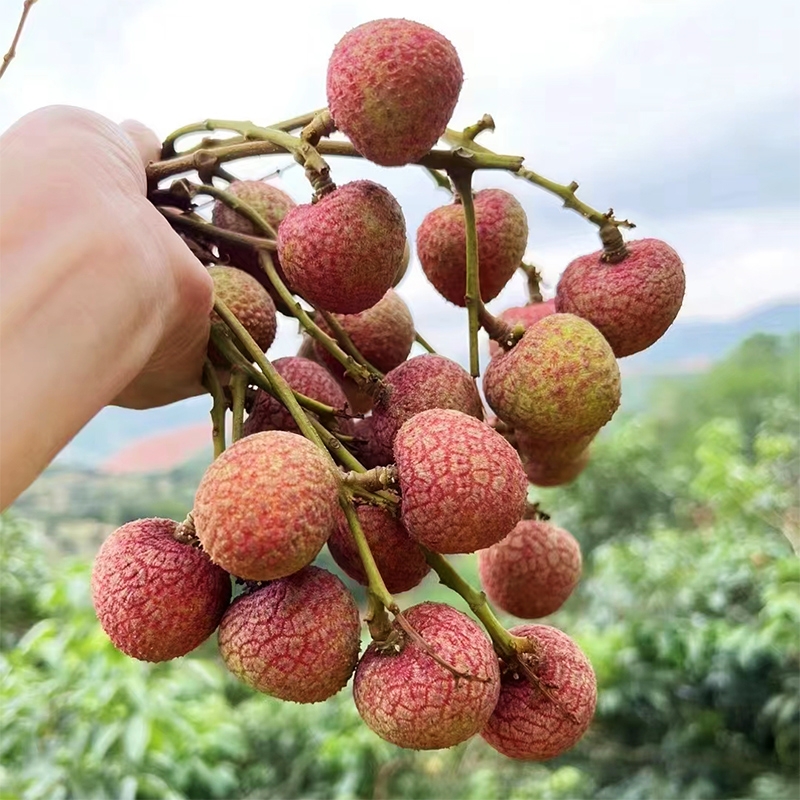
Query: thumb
[{"x": 144, "y": 140}]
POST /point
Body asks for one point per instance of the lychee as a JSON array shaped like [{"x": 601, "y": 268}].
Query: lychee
[
  {"x": 297, "y": 638},
  {"x": 560, "y": 382},
  {"x": 364, "y": 446},
  {"x": 421, "y": 383},
  {"x": 533, "y": 571},
  {"x": 392, "y": 87},
  {"x": 343, "y": 252},
  {"x": 157, "y": 598},
  {"x": 632, "y": 303},
  {"x": 251, "y": 304},
  {"x": 538, "y": 722},
  {"x": 265, "y": 507},
  {"x": 399, "y": 559},
  {"x": 412, "y": 700},
  {"x": 502, "y": 237},
  {"x": 401, "y": 273},
  {"x": 304, "y": 376},
  {"x": 522, "y": 315},
  {"x": 462, "y": 483},
  {"x": 552, "y": 463},
  {"x": 383, "y": 334}
]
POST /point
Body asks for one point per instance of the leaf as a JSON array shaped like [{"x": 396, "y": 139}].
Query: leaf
[{"x": 137, "y": 736}]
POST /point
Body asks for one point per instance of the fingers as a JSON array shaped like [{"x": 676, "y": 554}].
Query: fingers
[{"x": 144, "y": 140}]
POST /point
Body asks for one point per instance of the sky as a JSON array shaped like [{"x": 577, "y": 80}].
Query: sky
[{"x": 684, "y": 115}]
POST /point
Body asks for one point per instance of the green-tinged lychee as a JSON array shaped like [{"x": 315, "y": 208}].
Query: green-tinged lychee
[
  {"x": 632, "y": 303},
  {"x": 462, "y": 483},
  {"x": 156, "y": 597},
  {"x": 392, "y": 86},
  {"x": 383, "y": 334},
  {"x": 303, "y": 376},
  {"x": 560, "y": 382},
  {"x": 502, "y": 237},
  {"x": 533, "y": 571},
  {"x": 538, "y": 722},
  {"x": 411, "y": 699},
  {"x": 265, "y": 507},
  {"x": 251, "y": 304},
  {"x": 297, "y": 638},
  {"x": 552, "y": 463},
  {"x": 343, "y": 252},
  {"x": 400, "y": 560},
  {"x": 522, "y": 315},
  {"x": 421, "y": 383}
]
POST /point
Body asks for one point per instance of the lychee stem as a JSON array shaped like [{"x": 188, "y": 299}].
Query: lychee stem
[
  {"x": 343, "y": 338},
  {"x": 462, "y": 180},
  {"x": 534, "y": 279},
  {"x": 238, "y": 392},
  {"x": 441, "y": 181},
  {"x": 219, "y": 407},
  {"x": 373, "y": 479},
  {"x": 321, "y": 124},
  {"x": 502, "y": 332},
  {"x": 208, "y": 232},
  {"x": 507, "y": 646},
  {"x": 419, "y": 340}
]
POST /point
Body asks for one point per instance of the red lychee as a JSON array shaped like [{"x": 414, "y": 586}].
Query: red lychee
[
  {"x": 401, "y": 273},
  {"x": 364, "y": 446},
  {"x": 251, "y": 304},
  {"x": 525, "y": 316},
  {"x": 421, "y": 383},
  {"x": 502, "y": 238},
  {"x": 527, "y": 723},
  {"x": 382, "y": 334},
  {"x": 552, "y": 463},
  {"x": 392, "y": 87},
  {"x": 462, "y": 483},
  {"x": 296, "y": 638},
  {"x": 157, "y": 598},
  {"x": 631, "y": 303},
  {"x": 411, "y": 700},
  {"x": 533, "y": 571},
  {"x": 265, "y": 507},
  {"x": 560, "y": 382},
  {"x": 400, "y": 560},
  {"x": 304, "y": 376},
  {"x": 343, "y": 252}
]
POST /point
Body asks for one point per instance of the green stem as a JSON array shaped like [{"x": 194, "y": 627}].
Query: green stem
[
  {"x": 238, "y": 391},
  {"x": 508, "y": 647},
  {"x": 211, "y": 232},
  {"x": 343, "y": 338},
  {"x": 419, "y": 340},
  {"x": 218, "y": 409},
  {"x": 462, "y": 180},
  {"x": 241, "y": 207}
]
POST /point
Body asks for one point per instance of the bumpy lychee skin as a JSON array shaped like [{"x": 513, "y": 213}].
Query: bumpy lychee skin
[
  {"x": 401, "y": 273},
  {"x": 249, "y": 301},
  {"x": 525, "y": 316},
  {"x": 527, "y": 724},
  {"x": 502, "y": 238},
  {"x": 296, "y": 638},
  {"x": 343, "y": 252},
  {"x": 156, "y": 598},
  {"x": 411, "y": 700},
  {"x": 419, "y": 384},
  {"x": 265, "y": 507},
  {"x": 382, "y": 334},
  {"x": 364, "y": 446},
  {"x": 304, "y": 376},
  {"x": 560, "y": 382},
  {"x": 462, "y": 483},
  {"x": 392, "y": 87},
  {"x": 533, "y": 571},
  {"x": 399, "y": 558},
  {"x": 552, "y": 463},
  {"x": 632, "y": 303}
]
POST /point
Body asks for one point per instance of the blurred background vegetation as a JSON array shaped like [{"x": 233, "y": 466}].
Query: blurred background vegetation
[{"x": 688, "y": 518}]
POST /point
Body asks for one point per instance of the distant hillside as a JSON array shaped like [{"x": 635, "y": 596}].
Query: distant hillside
[{"x": 688, "y": 347}]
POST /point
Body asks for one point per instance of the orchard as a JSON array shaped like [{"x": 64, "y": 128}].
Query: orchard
[{"x": 393, "y": 462}]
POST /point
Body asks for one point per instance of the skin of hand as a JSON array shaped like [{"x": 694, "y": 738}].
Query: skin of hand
[{"x": 101, "y": 302}]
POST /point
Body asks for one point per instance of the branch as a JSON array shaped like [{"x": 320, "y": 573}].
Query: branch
[
  {"x": 218, "y": 409},
  {"x": 12, "y": 51}
]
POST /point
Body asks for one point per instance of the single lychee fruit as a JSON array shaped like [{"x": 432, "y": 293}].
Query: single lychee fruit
[
  {"x": 400, "y": 560},
  {"x": 157, "y": 598},
  {"x": 360, "y": 402},
  {"x": 559, "y": 473},
  {"x": 364, "y": 447},
  {"x": 535, "y": 723},
  {"x": 411, "y": 699},
  {"x": 303, "y": 376},
  {"x": 632, "y": 303},
  {"x": 560, "y": 382},
  {"x": 343, "y": 252},
  {"x": 265, "y": 507},
  {"x": 552, "y": 463},
  {"x": 401, "y": 273},
  {"x": 525, "y": 316},
  {"x": 296, "y": 638},
  {"x": 502, "y": 237},
  {"x": 383, "y": 334},
  {"x": 421, "y": 383},
  {"x": 392, "y": 87},
  {"x": 462, "y": 483},
  {"x": 533, "y": 571},
  {"x": 251, "y": 304}
]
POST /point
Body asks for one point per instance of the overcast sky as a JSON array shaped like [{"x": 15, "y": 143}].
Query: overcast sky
[{"x": 683, "y": 115}]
